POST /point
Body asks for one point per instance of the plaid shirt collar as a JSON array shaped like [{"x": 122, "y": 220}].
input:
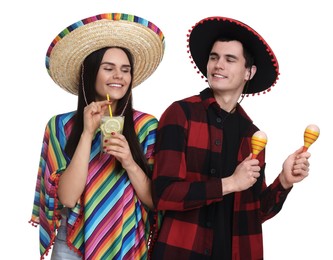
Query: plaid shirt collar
[{"x": 208, "y": 99}]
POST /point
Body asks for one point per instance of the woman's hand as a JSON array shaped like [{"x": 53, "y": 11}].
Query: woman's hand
[
  {"x": 92, "y": 115},
  {"x": 117, "y": 146}
]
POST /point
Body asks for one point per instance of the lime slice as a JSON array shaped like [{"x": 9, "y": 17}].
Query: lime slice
[{"x": 112, "y": 125}]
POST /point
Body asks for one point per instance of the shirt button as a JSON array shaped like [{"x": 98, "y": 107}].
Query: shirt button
[
  {"x": 212, "y": 171},
  {"x": 217, "y": 142},
  {"x": 218, "y": 120},
  {"x": 206, "y": 251}
]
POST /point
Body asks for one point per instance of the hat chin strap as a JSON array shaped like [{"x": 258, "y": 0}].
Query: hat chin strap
[
  {"x": 242, "y": 96},
  {"x": 82, "y": 83},
  {"x": 128, "y": 98},
  {"x": 246, "y": 87}
]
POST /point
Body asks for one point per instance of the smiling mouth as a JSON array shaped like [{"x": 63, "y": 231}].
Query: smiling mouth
[
  {"x": 219, "y": 76},
  {"x": 114, "y": 85}
]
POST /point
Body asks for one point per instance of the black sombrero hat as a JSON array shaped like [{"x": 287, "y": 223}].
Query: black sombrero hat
[{"x": 205, "y": 33}]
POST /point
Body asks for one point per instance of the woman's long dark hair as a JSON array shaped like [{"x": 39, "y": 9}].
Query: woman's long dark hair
[{"x": 87, "y": 90}]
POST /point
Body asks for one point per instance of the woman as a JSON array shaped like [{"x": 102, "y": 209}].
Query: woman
[{"x": 97, "y": 196}]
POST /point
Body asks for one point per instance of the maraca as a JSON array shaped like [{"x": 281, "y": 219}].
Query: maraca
[
  {"x": 311, "y": 134},
  {"x": 258, "y": 142}
]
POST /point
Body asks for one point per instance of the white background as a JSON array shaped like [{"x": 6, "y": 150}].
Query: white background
[{"x": 299, "y": 33}]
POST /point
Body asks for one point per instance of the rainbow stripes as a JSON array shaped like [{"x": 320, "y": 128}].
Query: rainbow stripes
[
  {"x": 106, "y": 16},
  {"x": 108, "y": 222}
]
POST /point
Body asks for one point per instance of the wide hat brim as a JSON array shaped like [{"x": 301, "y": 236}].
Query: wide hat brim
[
  {"x": 206, "y": 32},
  {"x": 68, "y": 50}
]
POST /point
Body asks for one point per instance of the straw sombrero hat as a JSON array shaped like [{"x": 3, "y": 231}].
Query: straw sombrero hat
[
  {"x": 205, "y": 32},
  {"x": 68, "y": 50}
]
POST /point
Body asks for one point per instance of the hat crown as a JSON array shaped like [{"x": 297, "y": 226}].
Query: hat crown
[{"x": 72, "y": 45}]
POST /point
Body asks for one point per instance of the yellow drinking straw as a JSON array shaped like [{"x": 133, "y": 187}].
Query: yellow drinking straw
[{"x": 110, "y": 110}]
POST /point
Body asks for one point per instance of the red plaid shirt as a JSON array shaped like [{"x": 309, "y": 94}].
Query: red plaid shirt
[{"x": 184, "y": 184}]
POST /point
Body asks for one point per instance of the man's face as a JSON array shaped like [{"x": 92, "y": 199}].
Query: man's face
[{"x": 226, "y": 72}]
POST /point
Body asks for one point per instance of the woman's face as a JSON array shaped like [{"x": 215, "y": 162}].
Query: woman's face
[{"x": 114, "y": 75}]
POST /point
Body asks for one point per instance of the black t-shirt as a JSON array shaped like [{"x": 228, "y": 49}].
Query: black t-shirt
[{"x": 223, "y": 211}]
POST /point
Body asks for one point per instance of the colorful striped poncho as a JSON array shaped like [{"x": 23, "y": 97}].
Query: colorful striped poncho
[{"x": 109, "y": 221}]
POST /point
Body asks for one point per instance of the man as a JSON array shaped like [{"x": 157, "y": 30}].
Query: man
[{"x": 213, "y": 193}]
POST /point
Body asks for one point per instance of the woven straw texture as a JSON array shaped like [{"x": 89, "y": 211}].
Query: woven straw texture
[{"x": 67, "y": 55}]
